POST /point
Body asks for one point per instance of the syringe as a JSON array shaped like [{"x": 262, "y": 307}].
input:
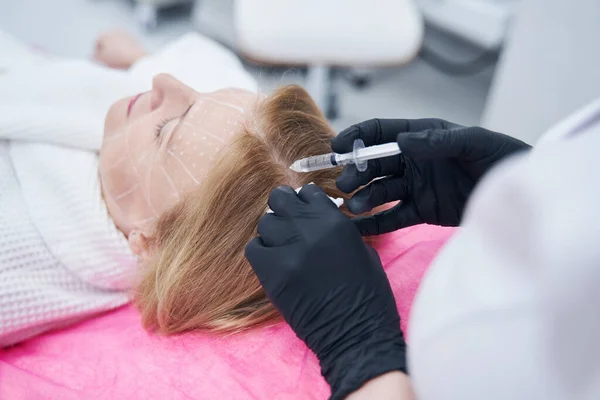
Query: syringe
[{"x": 359, "y": 156}]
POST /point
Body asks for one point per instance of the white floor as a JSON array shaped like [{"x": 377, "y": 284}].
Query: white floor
[{"x": 68, "y": 28}]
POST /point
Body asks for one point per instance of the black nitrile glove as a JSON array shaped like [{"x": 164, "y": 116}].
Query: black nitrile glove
[
  {"x": 433, "y": 177},
  {"x": 329, "y": 286}
]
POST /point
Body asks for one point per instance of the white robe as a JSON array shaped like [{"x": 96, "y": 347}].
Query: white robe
[
  {"x": 510, "y": 309},
  {"x": 61, "y": 257}
]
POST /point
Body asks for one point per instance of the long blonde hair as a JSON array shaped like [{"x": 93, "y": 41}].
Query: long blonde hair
[{"x": 198, "y": 277}]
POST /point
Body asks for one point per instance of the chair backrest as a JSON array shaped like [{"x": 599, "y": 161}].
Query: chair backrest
[{"x": 332, "y": 32}]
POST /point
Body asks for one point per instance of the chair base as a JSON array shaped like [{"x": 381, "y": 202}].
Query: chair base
[{"x": 322, "y": 82}]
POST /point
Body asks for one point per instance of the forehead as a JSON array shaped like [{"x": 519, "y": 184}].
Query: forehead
[
  {"x": 209, "y": 126},
  {"x": 217, "y": 116}
]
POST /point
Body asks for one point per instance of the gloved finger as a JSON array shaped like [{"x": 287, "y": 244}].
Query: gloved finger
[
  {"x": 284, "y": 201},
  {"x": 401, "y": 216},
  {"x": 261, "y": 259},
  {"x": 437, "y": 143},
  {"x": 378, "y": 131},
  {"x": 351, "y": 179},
  {"x": 274, "y": 230},
  {"x": 378, "y": 192},
  {"x": 313, "y": 194},
  {"x": 370, "y": 131}
]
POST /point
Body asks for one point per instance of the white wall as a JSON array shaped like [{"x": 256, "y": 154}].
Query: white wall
[{"x": 549, "y": 68}]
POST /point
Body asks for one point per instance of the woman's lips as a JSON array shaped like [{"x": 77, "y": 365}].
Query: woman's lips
[{"x": 132, "y": 102}]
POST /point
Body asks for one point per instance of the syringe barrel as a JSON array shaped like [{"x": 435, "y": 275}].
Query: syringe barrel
[{"x": 314, "y": 163}]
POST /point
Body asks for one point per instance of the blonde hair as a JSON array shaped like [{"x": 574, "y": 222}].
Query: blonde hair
[{"x": 198, "y": 277}]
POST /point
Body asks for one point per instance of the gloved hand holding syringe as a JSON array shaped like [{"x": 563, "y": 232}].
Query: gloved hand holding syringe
[{"x": 359, "y": 156}]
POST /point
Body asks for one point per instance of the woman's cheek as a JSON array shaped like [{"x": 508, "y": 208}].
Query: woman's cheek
[
  {"x": 162, "y": 193},
  {"x": 184, "y": 172},
  {"x": 118, "y": 177}
]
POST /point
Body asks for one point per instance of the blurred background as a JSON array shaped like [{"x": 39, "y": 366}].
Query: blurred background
[{"x": 516, "y": 66}]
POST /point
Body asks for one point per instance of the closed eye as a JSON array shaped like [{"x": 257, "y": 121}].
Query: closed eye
[
  {"x": 181, "y": 119},
  {"x": 159, "y": 128}
]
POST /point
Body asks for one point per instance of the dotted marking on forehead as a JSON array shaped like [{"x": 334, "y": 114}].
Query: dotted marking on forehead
[{"x": 212, "y": 135}]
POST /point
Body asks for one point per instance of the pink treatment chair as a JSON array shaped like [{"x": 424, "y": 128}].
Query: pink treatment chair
[{"x": 113, "y": 357}]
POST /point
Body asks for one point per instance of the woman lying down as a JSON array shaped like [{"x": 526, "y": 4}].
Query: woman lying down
[{"x": 112, "y": 188}]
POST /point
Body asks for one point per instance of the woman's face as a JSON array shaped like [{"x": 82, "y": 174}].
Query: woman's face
[{"x": 159, "y": 145}]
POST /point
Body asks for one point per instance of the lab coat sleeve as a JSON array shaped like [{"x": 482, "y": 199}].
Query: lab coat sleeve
[
  {"x": 199, "y": 62},
  {"x": 509, "y": 310}
]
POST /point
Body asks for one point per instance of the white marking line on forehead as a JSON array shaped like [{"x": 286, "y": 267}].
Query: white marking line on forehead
[
  {"x": 209, "y": 133},
  {"x": 237, "y": 108},
  {"x": 170, "y": 182},
  {"x": 206, "y": 132},
  {"x": 127, "y": 192},
  {"x": 183, "y": 166}
]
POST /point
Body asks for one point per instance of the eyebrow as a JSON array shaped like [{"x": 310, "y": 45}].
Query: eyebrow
[{"x": 181, "y": 120}]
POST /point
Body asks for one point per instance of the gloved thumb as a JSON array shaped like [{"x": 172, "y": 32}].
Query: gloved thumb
[{"x": 434, "y": 143}]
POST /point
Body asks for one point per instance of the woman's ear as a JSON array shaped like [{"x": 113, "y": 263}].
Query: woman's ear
[{"x": 139, "y": 244}]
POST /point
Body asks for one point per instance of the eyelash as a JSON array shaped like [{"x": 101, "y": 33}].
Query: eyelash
[{"x": 160, "y": 126}]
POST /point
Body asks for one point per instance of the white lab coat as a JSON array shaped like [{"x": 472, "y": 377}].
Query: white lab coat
[{"x": 510, "y": 309}]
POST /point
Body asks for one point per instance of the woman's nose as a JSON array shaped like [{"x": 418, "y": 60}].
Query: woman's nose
[{"x": 167, "y": 89}]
